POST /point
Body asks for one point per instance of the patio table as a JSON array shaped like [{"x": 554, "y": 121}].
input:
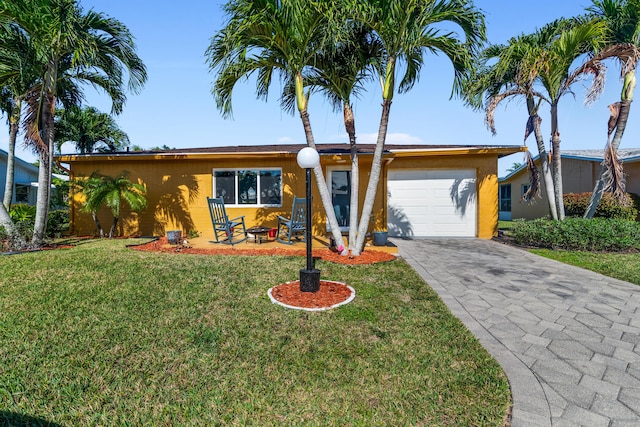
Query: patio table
[{"x": 259, "y": 233}]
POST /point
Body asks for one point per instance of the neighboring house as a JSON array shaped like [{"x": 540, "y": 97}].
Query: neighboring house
[
  {"x": 25, "y": 180},
  {"x": 431, "y": 190},
  {"x": 580, "y": 168}
]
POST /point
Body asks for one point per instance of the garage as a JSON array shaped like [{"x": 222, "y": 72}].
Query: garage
[{"x": 431, "y": 203}]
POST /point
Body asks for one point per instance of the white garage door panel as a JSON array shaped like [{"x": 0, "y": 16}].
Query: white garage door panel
[{"x": 432, "y": 203}]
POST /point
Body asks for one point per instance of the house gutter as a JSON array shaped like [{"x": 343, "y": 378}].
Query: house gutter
[{"x": 500, "y": 151}]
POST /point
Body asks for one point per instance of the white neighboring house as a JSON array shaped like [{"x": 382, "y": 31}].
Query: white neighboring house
[{"x": 25, "y": 180}]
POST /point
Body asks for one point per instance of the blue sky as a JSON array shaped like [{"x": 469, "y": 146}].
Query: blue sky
[{"x": 176, "y": 107}]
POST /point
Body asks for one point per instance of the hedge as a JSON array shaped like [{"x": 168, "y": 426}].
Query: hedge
[{"x": 596, "y": 234}]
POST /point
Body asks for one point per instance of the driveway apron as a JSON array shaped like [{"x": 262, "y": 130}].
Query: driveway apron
[{"x": 567, "y": 338}]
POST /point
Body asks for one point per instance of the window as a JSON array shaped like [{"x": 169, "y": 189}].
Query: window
[
  {"x": 249, "y": 187},
  {"x": 525, "y": 188},
  {"x": 22, "y": 193},
  {"x": 505, "y": 198},
  {"x": 341, "y": 196}
]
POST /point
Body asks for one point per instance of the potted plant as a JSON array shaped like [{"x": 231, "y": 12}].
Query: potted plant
[{"x": 380, "y": 233}]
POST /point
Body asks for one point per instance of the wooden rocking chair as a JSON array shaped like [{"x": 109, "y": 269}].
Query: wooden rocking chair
[
  {"x": 227, "y": 231},
  {"x": 292, "y": 228}
]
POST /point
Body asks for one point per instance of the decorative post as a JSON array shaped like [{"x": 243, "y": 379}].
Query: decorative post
[{"x": 308, "y": 158}]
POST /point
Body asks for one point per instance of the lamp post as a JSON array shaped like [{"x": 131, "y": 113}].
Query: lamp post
[{"x": 308, "y": 158}]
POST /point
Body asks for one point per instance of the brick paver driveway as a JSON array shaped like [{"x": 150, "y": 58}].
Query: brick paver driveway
[{"x": 568, "y": 338}]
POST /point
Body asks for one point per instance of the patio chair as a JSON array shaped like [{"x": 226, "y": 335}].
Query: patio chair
[
  {"x": 227, "y": 231},
  {"x": 294, "y": 227}
]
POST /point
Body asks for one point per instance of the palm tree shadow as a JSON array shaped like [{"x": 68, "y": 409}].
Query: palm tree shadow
[
  {"x": 178, "y": 193},
  {"x": 398, "y": 223},
  {"x": 14, "y": 419},
  {"x": 462, "y": 193}
]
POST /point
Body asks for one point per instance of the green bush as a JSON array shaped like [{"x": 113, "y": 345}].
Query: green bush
[
  {"x": 597, "y": 234},
  {"x": 23, "y": 217},
  {"x": 575, "y": 205},
  {"x": 58, "y": 222},
  {"x": 21, "y": 213}
]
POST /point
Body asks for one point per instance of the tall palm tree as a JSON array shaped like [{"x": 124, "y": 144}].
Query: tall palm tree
[
  {"x": 87, "y": 48},
  {"x": 499, "y": 77},
  {"x": 622, "y": 18},
  {"x": 267, "y": 37},
  {"x": 340, "y": 74},
  {"x": 550, "y": 67},
  {"x": 407, "y": 29},
  {"x": 90, "y": 130},
  {"x": 100, "y": 190},
  {"x": 19, "y": 72}
]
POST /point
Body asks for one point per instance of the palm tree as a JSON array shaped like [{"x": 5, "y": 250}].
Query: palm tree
[
  {"x": 499, "y": 77},
  {"x": 622, "y": 18},
  {"x": 100, "y": 190},
  {"x": 85, "y": 48},
  {"x": 550, "y": 66},
  {"x": 340, "y": 74},
  {"x": 18, "y": 74},
  {"x": 514, "y": 167},
  {"x": 406, "y": 31},
  {"x": 268, "y": 37},
  {"x": 89, "y": 129}
]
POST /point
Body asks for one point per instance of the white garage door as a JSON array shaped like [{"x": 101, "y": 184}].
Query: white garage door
[{"x": 431, "y": 203}]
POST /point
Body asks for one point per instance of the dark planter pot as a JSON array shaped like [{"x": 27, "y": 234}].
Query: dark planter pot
[
  {"x": 380, "y": 238},
  {"x": 174, "y": 237}
]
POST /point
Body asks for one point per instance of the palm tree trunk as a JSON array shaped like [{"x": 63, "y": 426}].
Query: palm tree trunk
[
  {"x": 556, "y": 162},
  {"x": 374, "y": 178},
  {"x": 94, "y": 215},
  {"x": 44, "y": 173},
  {"x": 114, "y": 224},
  {"x": 350, "y": 125},
  {"x": 546, "y": 173},
  {"x": 623, "y": 116},
  {"x": 15, "y": 239},
  {"x": 544, "y": 159},
  {"x": 14, "y": 122},
  {"x": 321, "y": 183}
]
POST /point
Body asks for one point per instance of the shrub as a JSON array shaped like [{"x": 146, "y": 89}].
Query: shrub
[
  {"x": 597, "y": 234},
  {"x": 23, "y": 217},
  {"x": 58, "y": 222},
  {"x": 575, "y": 205},
  {"x": 21, "y": 213}
]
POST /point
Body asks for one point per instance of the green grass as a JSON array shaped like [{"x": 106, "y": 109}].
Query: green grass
[
  {"x": 103, "y": 335},
  {"x": 623, "y": 266},
  {"x": 505, "y": 225}
]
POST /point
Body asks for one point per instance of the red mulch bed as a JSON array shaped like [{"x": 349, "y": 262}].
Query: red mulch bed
[
  {"x": 368, "y": 256},
  {"x": 329, "y": 294}
]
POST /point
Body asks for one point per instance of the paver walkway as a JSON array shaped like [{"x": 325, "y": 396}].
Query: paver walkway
[{"x": 567, "y": 338}]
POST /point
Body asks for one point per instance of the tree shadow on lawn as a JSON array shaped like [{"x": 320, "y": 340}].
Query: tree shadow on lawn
[{"x": 15, "y": 419}]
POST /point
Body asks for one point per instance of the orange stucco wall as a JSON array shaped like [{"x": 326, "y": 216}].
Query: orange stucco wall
[{"x": 177, "y": 189}]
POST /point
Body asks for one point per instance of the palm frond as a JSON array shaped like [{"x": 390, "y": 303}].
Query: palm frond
[
  {"x": 533, "y": 121},
  {"x": 493, "y": 103},
  {"x": 614, "y": 175},
  {"x": 614, "y": 113},
  {"x": 533, "y": 191}
]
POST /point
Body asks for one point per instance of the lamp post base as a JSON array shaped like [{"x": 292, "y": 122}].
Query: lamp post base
[{"x": 309, "y": 280}]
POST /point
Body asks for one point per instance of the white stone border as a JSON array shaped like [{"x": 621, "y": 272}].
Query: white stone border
[{"x": 347, "y": 301}]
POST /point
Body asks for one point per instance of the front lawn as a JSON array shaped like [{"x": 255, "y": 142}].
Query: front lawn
[
  {"x": 623, "y": 266},
  {"x": 103, "y": 335}
]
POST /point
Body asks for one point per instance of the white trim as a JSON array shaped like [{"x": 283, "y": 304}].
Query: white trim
[{"x": 347, "y": 301}]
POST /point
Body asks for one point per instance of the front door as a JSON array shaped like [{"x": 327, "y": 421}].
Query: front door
[{"x": 340, "y": 185}]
